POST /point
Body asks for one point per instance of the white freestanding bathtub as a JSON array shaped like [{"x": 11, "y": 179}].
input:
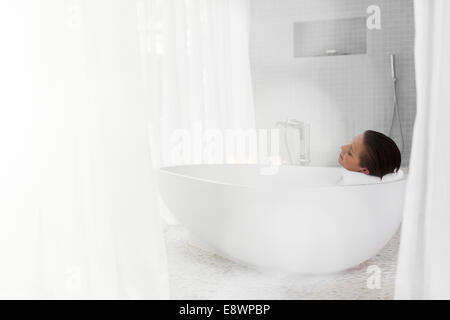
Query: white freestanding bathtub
[{"x": 297, "y": 220}]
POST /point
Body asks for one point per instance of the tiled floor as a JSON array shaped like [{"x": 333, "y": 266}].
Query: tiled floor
[{"x": 199, "y": 274}]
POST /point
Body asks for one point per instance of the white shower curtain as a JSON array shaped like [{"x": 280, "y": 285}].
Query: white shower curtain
[
  {"x": 198, "y": 76},
  {"x": 424, "y": 259},
  {"x": 198, "y": 70},
  {"x": 78, "y": 215}
]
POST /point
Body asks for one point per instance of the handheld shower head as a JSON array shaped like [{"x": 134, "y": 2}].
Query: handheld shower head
[
  {"x": 396, "y": 111},
  {"x": 393, "y": 70}
]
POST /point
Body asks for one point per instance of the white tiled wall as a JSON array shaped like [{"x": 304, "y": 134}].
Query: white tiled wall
[{"x": 340, "y": 96}]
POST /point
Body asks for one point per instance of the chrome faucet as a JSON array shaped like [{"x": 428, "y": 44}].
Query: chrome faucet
[{"x": 304, "y": 135}]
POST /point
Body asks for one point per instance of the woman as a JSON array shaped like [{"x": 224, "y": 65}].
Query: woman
[{"x": 371, "y": 153}]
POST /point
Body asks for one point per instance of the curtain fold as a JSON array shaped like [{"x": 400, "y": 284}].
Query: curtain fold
[
  {"x": 79, "y": 212},
  {"x": 198, "y": 70},
  {"x": 424, "y": 258}
]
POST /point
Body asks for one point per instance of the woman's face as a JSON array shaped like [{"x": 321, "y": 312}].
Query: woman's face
[{"x": 350, "y": 155}]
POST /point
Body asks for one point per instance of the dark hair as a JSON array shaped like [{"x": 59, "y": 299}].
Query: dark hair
[{"x": 381, "y": 155}]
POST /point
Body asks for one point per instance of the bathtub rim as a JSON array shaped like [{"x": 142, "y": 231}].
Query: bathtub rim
[{"x": 165, "y": 170}]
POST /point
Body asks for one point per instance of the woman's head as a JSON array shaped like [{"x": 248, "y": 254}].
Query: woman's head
[{"x": 371, "y": 153}]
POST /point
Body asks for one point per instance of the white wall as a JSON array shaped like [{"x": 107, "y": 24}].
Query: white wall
[{"x": 340, "y": 96}]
